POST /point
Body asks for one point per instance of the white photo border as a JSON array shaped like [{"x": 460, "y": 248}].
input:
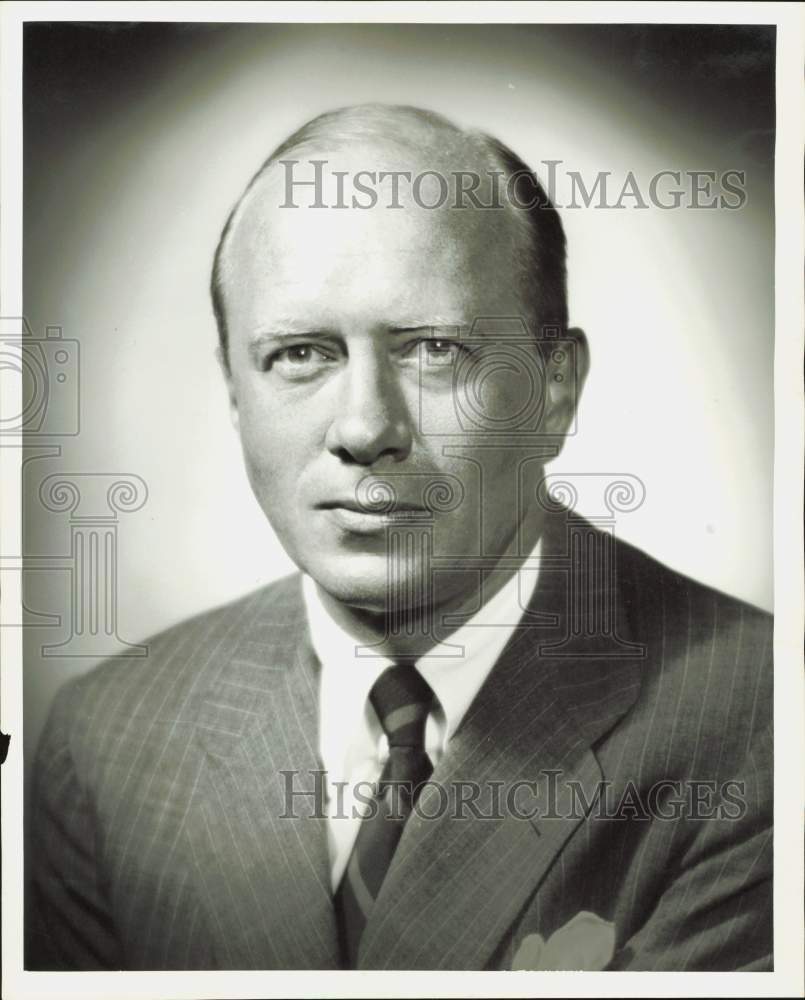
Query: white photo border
[{"x": 787, "y": 977}]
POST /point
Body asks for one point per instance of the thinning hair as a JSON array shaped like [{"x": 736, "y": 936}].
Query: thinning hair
[{"x": 543, "y": 265}]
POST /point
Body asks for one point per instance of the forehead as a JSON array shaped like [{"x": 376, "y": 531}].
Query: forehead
[{"x": 381, "y": 260}]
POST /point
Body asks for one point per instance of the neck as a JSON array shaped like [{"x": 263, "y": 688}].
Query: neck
[{"x": 416, "y": 630}]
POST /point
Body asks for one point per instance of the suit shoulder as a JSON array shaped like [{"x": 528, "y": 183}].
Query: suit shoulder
[
  {"x": 650, "y": 590},
  {"x": 180, "y": 664},
  {"x": 707, "y": 665}
]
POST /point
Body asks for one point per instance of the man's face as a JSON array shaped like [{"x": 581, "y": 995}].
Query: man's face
[{"x": 351, "y": 370}]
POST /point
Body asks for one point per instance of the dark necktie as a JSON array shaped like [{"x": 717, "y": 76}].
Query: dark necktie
[{"x": 402, "y": 699}]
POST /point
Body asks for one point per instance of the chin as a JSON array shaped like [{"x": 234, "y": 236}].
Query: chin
[{"x": 362, "y": 581}]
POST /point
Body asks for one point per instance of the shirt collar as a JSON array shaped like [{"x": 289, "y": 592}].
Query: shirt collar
[{"x": 455, "y": 669}]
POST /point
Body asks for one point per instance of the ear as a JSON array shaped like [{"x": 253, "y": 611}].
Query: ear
[
  {"x": 230, "y": 387},
  {"x": 567, "y": 362}
]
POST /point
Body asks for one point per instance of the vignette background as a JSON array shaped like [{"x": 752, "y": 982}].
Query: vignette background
[{"x": 138, "y": 138}]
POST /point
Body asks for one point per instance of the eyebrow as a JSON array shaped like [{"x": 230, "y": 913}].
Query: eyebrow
[
  {"x": 439, "y": 326},
  {"x": 266, "y": 336}
]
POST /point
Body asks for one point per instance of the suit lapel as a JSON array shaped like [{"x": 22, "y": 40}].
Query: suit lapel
[
  {"x": 458, "y": 881},
  {"x": 260, "y": 852}
]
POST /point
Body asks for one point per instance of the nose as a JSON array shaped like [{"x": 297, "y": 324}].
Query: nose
[{"x": 372, "y": 419}]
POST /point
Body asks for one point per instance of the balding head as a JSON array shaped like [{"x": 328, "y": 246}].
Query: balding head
[
  {"x": 376, "y": 158},
  {"x": 363, "y": 333}
]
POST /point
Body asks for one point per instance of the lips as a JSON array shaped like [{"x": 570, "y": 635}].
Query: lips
[
  {"x": 351, "y": 516},
  {"x": 380, "y": 510}
]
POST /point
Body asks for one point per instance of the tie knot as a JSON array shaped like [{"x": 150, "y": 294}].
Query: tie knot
[{"x": 402, "y": 699}]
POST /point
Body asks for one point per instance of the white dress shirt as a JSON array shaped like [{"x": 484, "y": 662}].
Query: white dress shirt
[{"x": 352, "y": 745}]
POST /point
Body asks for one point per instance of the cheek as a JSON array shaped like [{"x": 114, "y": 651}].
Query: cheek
[
  {"x": 273, "y": 421},
  {"x": 275, "y": 448},
  {"x": 502, "y": 390}
]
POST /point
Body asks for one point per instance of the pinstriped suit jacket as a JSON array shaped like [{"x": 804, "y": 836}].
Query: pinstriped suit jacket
[{"x": 159, "y": 837}]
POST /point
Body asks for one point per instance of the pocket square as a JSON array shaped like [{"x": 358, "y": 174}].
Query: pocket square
[{"x": 586, "y": 944}]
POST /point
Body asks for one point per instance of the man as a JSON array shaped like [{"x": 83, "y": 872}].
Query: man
[{"x": 568, "y": 745}]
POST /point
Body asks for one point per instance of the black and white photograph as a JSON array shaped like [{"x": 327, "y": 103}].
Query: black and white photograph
[{"x": 402, "y": 493}]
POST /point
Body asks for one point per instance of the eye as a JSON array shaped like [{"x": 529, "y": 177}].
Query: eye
[
  {"x": 298, "y": 354},
  {"x": 439, "y": 351},
  {"x": 298, "y": 360},
  {"x": 439, "y": 346}
]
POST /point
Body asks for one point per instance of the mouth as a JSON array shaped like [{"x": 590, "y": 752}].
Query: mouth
[{"x": 353, "y": 517}]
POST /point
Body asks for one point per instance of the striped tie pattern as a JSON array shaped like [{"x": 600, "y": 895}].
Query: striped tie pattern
[{"x": 402, "y": 699}]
